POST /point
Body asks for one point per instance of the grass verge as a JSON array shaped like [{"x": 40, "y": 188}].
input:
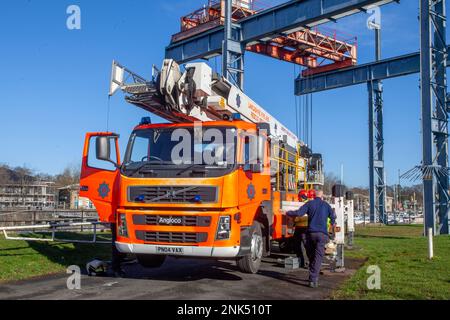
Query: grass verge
[
  {"x": 25, "y": 259},
  {"x": 401, "y": 254}
]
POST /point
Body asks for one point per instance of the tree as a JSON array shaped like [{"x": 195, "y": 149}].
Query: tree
[
  {"x": 19, "y": 175},
  {"x": 5, "y": 173},
  {"x": 330, "y": 180},
  {"x": 24, "y": 174},
  {"x": 70, "y": 175},
  {"x": 360, "y": 190}
]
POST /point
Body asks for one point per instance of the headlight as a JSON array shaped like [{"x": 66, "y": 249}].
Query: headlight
[
  {"x": 123, "y": 229},
  {"x": 224, "y": 228}
]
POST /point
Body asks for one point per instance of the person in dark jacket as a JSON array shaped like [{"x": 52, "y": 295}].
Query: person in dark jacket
[
  {"x": 318, "y": 212},
  {"x": 301, "y": 226}
]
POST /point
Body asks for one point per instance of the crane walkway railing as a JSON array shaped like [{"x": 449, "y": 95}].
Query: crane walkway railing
[
  {"x": 37, "y": 225},
  {"x": 53, "y": 228}
]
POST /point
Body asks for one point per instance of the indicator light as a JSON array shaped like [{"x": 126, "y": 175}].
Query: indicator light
[{"x": 140, "y": 198}]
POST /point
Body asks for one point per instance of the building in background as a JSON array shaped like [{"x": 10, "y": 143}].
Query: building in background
[
  {"x": 30, "y": 195},
  {"x": 389, "y": 204},
  {"x": 361, "y": 203},
  {"x": 69, "y": 198}
]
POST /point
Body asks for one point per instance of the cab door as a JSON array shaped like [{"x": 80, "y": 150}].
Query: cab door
[
  {"x": 99, "y": 180},
  {"x": 254, "y": 173}
]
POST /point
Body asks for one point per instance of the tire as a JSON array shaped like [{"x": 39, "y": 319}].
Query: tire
[
  {"x": 150, "y": 260},
  {"x": 250, "y": 263}
]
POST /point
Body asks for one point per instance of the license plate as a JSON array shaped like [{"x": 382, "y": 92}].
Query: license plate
[{"x": 170, "y": 250}]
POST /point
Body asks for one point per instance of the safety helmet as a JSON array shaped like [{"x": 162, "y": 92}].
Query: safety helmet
[
  {"x": 96, "y": 267},
  {"x": 302, "y": 195},
  {"x": 312, "y": 194}
]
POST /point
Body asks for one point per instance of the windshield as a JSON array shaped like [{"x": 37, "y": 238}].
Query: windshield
[{"x": 189, "y": 151}]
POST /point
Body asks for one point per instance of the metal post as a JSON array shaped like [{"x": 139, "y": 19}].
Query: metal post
[
  {"x": 227, "y": 36},
  {"x": 34, "y": 220},
  {"x": 441, "y": 136},
  {"x": 376, "y": 142},
  {"x": 340, "y": 236},
  {"x": 350, "y": 222},
  {"x": 232, "y": 52},
  {"x": 430, "y": 244},
  {"x": 364, "y": 217},
  {"x": 82, "y": 219},
  {"x": 433, "y": 65},
  {"x": 372, "y": 211}
]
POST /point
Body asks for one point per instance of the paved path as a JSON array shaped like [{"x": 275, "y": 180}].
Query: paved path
[{"x": 192, "y": 279}]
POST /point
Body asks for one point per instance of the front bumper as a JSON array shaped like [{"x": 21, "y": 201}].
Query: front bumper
[{"x": 188, "y": 251}]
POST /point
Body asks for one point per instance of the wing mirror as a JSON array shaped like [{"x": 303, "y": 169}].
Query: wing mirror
[
  {"x": 261, "y": 144},
  {"x": 103, "y": 149},
  {"x": 257, "y": 153}
]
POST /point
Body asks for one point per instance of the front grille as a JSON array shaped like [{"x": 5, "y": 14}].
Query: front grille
[
  {"x": 168, "y": 220},
  {"x": 172, "y": 237},
  {"x": 172, "y": 194}
]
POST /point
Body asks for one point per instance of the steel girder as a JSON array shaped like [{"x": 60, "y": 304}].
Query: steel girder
[
  {"x": 379, "y": 70},
  {"x": 376, "y": 153},
  {"x": 233, "y": 50},
  {"x": 268, "y": 24},
  {"x": 433, "y": 60},
  {"x": 376, "y": 143}
]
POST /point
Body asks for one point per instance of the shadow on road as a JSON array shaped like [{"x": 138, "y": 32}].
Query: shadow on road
[
  {"x": 179, "y": 270},
  {"x": 184, "y": 270}
]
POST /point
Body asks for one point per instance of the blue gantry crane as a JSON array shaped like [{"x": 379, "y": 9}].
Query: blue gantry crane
[
  {"x": 431, "y": 62},
  {"x": 234, "y": 37}
]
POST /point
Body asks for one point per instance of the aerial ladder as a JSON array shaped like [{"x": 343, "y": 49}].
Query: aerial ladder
[
  {"x": 199, "y": 94},
  {"x": 228, "y": 210}
]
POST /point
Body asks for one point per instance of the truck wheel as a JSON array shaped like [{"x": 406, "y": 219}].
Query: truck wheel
[
  {"x": 150, "y": 260},
  {"x": 250, "y": 263}
]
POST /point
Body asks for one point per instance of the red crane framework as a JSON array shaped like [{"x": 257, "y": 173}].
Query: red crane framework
[{"x": 317, "y": 50}]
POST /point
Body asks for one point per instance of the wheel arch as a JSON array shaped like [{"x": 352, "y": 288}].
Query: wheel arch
[{"x": 264, "y": 216}]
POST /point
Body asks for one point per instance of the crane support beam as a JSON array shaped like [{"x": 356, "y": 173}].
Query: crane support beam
[
  {"x": 376, "y": 143},
  {"x": 374, "y": 71},
  {"x": 435, "y": 115},
  {"x": 268, "y": 24},
  {"x": 232, "y": 51}
]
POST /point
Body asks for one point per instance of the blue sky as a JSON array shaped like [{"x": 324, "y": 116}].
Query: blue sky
[{"x": 55, "y": 82}]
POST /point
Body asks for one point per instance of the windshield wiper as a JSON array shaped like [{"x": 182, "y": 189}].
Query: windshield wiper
[
  {"x": 179, "y": 173},
  {"x": 143, "y": 165}
]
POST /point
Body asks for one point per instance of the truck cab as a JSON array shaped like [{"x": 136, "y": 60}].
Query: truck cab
[
  {"x": 214, "y": 182},
  {"x": 192, "y": 189}
]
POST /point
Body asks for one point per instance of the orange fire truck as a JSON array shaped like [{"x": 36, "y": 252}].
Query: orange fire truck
[{"x": 165, "y": 205}]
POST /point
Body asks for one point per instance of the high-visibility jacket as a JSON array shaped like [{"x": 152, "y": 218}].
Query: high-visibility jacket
[{"x": 301, "y": 222}]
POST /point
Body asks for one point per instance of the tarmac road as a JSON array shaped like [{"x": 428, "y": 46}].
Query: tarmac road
[{"x": 192, "y": 279}]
